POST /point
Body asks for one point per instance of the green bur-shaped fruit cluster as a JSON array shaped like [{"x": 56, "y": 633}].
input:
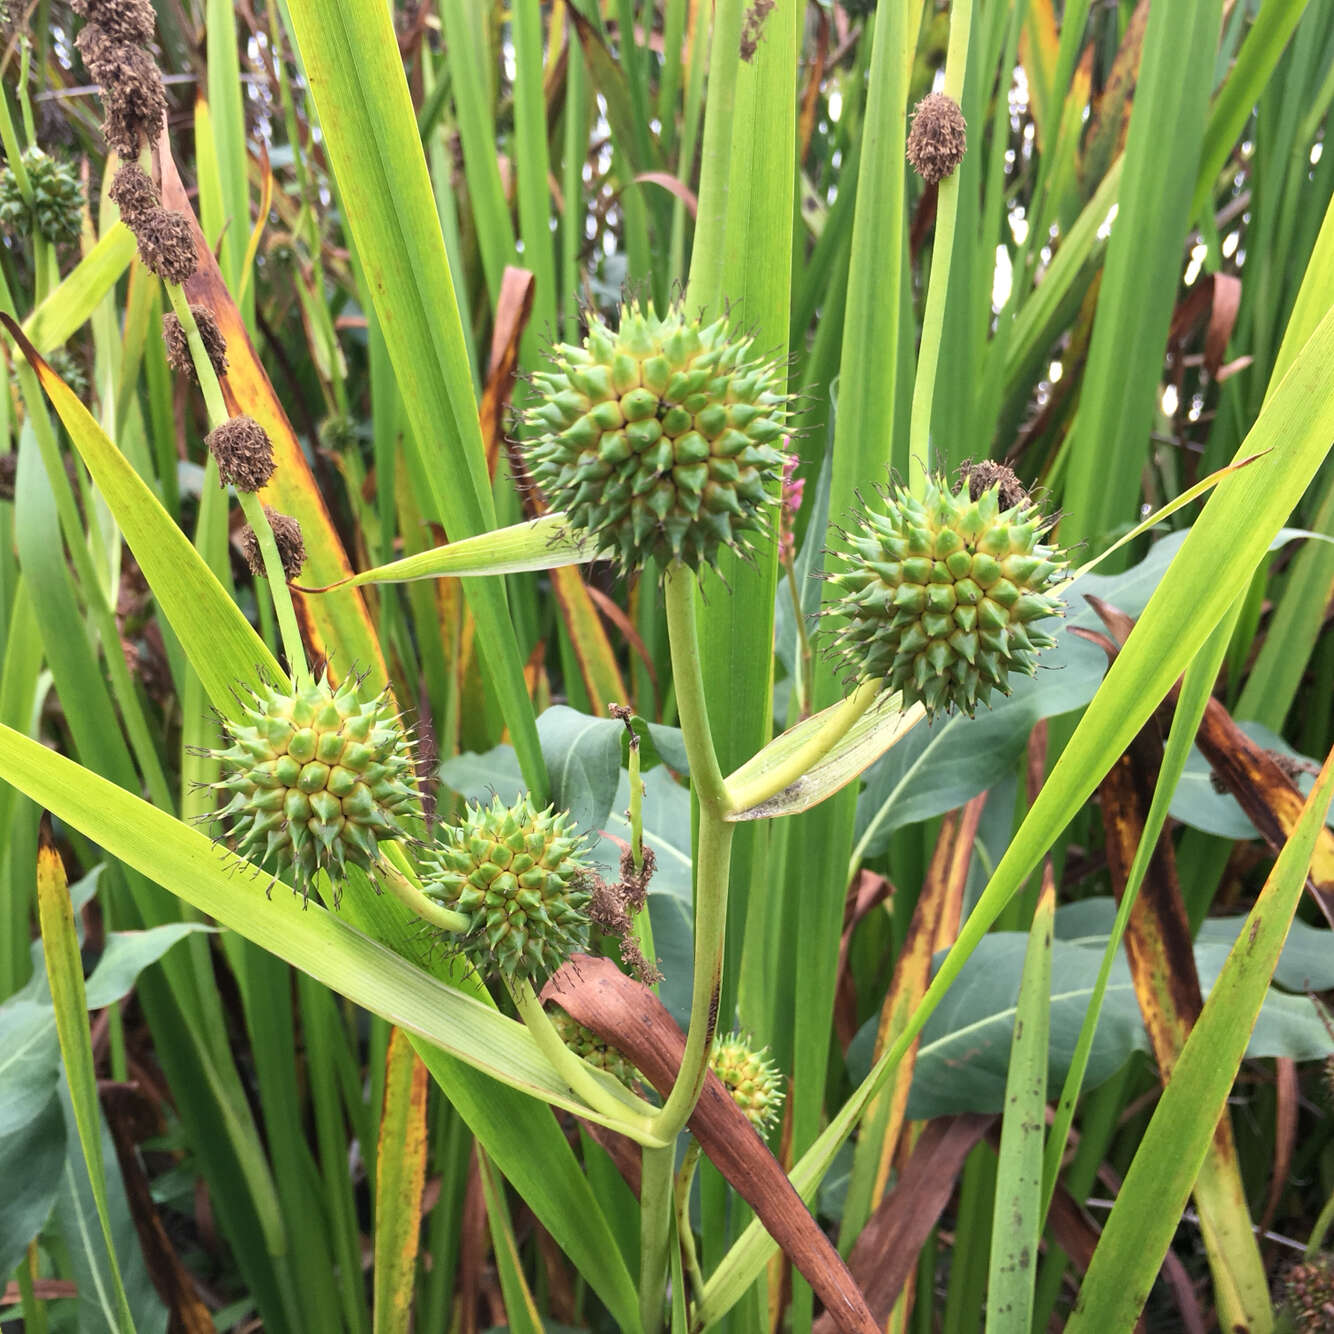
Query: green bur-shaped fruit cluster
[
  {"x": 56, "y": 207},
  {"x": 660, "y": 439},
  {"x": 941, "y": 594},
  {"x": 585, "y": 1043},
  {"x": 753, "y": 1082},
  {"x": 317, "y": 777},
  {"x": 516, "y": 873}
]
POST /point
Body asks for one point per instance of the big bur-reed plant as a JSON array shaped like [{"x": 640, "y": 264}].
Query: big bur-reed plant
[{"x": 816, "y": 304}]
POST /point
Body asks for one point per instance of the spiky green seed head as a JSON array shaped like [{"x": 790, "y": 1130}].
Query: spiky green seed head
[
  {"x": 940, "y": 596},
  {"x": 1308, "y": 1294},
  {"x": 584, "y": 1042},
  {"x": 661, "y": 438},
  {"x": 519, "y": 877},
  {"x": 56, "y": 211},
  {"x": 754, "y": 1083},
  {"x": 317, "y": 778}
]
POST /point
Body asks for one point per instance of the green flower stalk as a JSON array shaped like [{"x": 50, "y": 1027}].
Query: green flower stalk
[
  {"x": 941, "y": 595},
  {"x": 661, "y": 437}
]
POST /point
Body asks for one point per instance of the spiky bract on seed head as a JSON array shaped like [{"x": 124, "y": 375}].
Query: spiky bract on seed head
[
  {"x": 584, "y": 1042},
  {"x": 754, "y": 1082},
  {"x": 317, "y": 778},
  {"x": 660, "y": 438},
  {"x": 287, "y": 536},
  {"x": 518, "y": 874},
  {"x": 56, "y": 210},
  {"x": 243, "y": 452},
  {"x": 940, "y": 595}
]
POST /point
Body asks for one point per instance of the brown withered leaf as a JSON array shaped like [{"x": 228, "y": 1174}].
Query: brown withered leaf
[
  {"x": 124, "y": 1107},
  {"x": 885, "y": 1254},
  {"x": 629, "y": 1016},
  {"x": 1262, "y": 789}
]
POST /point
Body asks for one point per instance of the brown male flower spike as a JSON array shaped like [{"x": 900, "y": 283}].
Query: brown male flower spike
[
  {"x": 166, "y": 244},
  {"x": 287, "y": 535},
  {"x": 131, "y": 88},
  {"x": 938, "y": 137},
  {"x": 178, "y": 345},
  {"x": 133, "y": 192},
  {"x": 127, "y": 21},
  {"x": 244, "y": 453}
]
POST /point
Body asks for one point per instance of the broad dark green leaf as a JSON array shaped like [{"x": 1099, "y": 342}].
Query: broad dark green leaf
[{"x": 965, "y": 1047}]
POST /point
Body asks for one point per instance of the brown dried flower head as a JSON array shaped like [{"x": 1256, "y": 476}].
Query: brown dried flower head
[
  {"x": 986, "y": 473},
  {"x": 128, "y": 21},
  {"x": 291, "y": 545},
  {"x": 166, "y": 244},
  {"x": 178, "y": 345},
  {"x": 133, "y": 192},
  {"x": 938, "y": 137},
  {"x": 131, "y": 88},
  {"x": 244, "y": 453}
]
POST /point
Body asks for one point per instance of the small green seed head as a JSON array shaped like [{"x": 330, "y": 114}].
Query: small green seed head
[
  {"x": 940, "y": 596},
  {"x": 316, "y": 778},
  {"x": 661, "y": 438},
  {"x": 1308, "y": 1294},
  {"x": 519, "y": 876},
  {"x": 754, "y": 1083},
  {"x": 56, "y": 211},
  {"x": 584, "y": 1042}
]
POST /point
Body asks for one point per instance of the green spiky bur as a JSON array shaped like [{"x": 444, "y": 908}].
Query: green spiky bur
[
  {"x": 754, "y": 1083},
  {"x": 518, "y": 875},
  {"x": 586, "y": 1044},
  {"x": 660, "y": 438},
  {"x": 56, "y": 209},
  {"x": 941, "y": 594},
  {"x": 317, "y": 778}
]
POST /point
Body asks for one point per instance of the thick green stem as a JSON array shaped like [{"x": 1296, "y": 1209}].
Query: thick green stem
[
  {"x": 688, "y": 676},
  {"x": 630, "y": 1115},
  {"x": 712, "y": 864},
  {"x": 713, "y": 853},
  {"x": 655, "y": 1212}
]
